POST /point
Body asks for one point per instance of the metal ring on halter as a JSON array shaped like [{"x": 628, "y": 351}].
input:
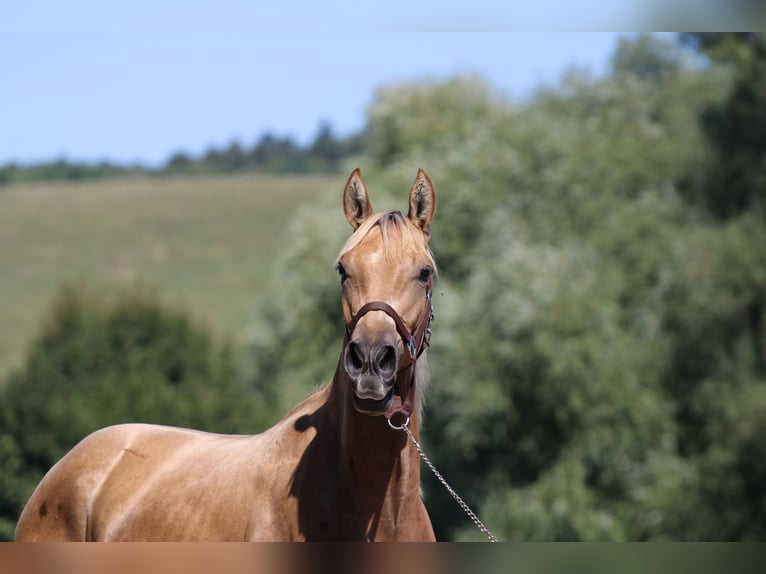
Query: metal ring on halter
[{"x": 403, "y": 426}]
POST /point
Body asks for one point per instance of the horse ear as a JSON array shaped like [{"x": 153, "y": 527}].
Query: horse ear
[
  {"x": 422, "y": 202},
  {"x": 356, "y": 204}
]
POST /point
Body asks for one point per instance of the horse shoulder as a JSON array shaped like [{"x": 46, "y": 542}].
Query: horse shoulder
[{"x": 278, "y": 452}]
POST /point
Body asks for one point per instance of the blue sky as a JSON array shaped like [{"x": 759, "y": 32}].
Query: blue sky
[{"x": 136, "y": 82}]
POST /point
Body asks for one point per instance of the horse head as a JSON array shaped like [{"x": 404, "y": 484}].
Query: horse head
[{"x": 386, "y": 271}]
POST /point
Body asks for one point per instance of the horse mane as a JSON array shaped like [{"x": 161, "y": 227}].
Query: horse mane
[
  {"x": 422, "y": 378},
  {"x": 394, "y": 225}
]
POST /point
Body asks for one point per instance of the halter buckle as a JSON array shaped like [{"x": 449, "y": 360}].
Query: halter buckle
[{"x": 412, "y": 348}]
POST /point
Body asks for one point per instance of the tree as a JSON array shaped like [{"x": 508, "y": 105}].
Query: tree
[
  {"x": 233, "y": 157},
  {"x": 326, "y": 148},
  {"x": 279, "y": 155},
  {"x": 647, "y": 58},
  {"x": 737, "y": 126},
  {"x": 179, "y": 162}
]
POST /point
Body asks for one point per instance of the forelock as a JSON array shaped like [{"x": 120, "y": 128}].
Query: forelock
[{"x": 393, "y": 225}]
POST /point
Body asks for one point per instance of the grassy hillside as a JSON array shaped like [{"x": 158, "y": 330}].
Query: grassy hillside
[{"x": 207, "y": 244}]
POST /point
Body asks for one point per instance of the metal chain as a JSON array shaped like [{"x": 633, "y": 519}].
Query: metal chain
[{"x": 479, "y": 524}]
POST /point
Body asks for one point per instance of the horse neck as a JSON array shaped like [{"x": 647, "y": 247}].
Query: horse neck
[{"x": 370, "y": 450}]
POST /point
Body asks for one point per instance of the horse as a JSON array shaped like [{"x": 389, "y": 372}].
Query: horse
[{"x": 331, "y": 470}]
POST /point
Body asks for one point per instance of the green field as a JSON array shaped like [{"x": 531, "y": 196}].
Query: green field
[{"x": 206, "y": 243}]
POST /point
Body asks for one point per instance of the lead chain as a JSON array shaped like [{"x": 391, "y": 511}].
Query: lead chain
[{"x": 479, "y": 524}]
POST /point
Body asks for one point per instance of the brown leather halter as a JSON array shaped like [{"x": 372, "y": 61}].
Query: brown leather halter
[{"x": 415, "y": 343}]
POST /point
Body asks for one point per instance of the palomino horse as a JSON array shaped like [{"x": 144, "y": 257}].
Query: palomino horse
[{"x": 332, "y": 469}]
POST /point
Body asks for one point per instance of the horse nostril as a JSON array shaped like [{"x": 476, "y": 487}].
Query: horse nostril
[
  {"x": 387, "y": 359},
  {"x": 355, "y": 357}
]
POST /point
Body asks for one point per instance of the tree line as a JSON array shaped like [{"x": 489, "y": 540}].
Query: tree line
[{"x": 270, "y": 154}]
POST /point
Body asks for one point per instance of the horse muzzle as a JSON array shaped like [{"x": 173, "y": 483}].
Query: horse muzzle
[{"x": 371, "y": 369}]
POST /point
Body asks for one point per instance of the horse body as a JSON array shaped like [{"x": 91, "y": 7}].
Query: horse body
[
  {"x": 331, "y": 470},
  {"x": 150, "y": 482}
]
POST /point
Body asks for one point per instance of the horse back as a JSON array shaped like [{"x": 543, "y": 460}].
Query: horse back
[{"x": 152, "y": 482}]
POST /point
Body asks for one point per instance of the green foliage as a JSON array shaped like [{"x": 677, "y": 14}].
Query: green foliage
[
  {"x": 427, "y": 118},
  {"x": 647, "y": 58},
  {"x": 273, "y": 154},
  {"x": 737, "y": 127},
  {"x": 60, "y": 169},
  {"x": 278, "y": 155},
  {"x": 548, "y": 384},
  {"x": 106, "y": 360}
]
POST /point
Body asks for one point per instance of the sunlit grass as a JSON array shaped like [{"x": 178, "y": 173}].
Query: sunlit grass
[{"x": 206, "y": 243}]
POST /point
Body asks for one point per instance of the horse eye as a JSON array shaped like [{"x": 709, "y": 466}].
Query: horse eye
[
  {"x": 425, "y": 274},
  {"x": 342, "y": 273}
]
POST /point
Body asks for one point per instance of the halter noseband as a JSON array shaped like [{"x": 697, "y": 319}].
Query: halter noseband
[{"x": 415, "y": 342}]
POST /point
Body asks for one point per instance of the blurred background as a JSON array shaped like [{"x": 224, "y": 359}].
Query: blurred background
[{"x": 170, "y": 211}]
